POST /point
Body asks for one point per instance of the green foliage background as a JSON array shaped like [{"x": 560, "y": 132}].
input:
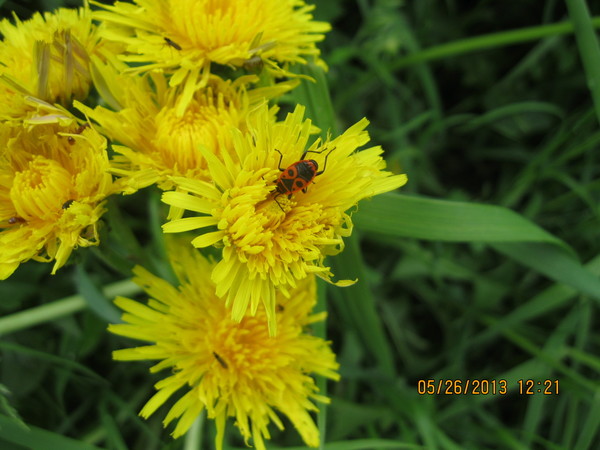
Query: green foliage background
[{"x": 484, "y": 268}]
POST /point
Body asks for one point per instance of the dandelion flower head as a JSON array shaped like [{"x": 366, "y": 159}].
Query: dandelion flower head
[
  {"x": 184, "y": 37},
  {"x": 231, "y": 369},
  {"x": 53, "y": 181},
  {"x": 157, "y": 142},
  {"x": 48, "y": 57},
  {"x": 270, "y": 241}
]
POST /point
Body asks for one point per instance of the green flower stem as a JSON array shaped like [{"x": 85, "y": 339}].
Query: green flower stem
[
  {"x": 499, "y": 39},
  {"x": 588, "y": 47},
  {"x": 320, "y": 330},
  {"x": 193, "y": 438},
  {"x": 60, "y": 308}
]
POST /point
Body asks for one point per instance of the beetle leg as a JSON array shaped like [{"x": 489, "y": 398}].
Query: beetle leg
[
  {"x": 278, "y": 204},
  {"x": 325, "y": 164},
  {"x": 318, "y": 153},
  {"x": 280, "y": 158},
  {"x": 329, "y": 150}
]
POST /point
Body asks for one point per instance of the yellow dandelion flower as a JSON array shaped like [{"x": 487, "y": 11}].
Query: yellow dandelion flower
[
  {"x": 48, "y": 57},
  {"x": 53, "y": 180},
  {"x": 269, "y": 240},
  {"x": 184, "y": 37},
  {"x": 157, "y": 142},
  {"x": 231, "y": 369}
]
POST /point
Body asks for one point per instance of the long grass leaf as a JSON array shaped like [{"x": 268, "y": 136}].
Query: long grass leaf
[
  {"x": 442, "y": 220},
  {"x": 34, "y": 437},
  {"x": 95, "y": 298},
  {"x": 589, "y": 50}
]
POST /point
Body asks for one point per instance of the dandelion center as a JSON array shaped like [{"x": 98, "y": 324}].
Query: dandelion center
[
  {"x": 39, "y": 191},
  {"x": 178, "y": 138},
  {"x": 215, "y": 24},
  {"x": 267, "y": 231},
  {"x": 245, "y": 348}
]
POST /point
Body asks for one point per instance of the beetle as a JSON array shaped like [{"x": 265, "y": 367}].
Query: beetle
[{"x": 299, "y": 175}]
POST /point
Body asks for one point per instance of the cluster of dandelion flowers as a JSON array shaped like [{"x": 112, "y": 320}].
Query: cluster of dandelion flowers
[
  {"x": 271, "y": 241},
  {"x": 231, "y": 369},
  {"x": 184, "y": 37},
  {"x": 157, "y": 142},
  {"x": 53, "y": 181},
  {"x": 48, "y": 57}
]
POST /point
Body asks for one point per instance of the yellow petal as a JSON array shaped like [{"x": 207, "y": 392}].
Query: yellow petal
[
  {"x": 208, "y": 239},
  {"x": 189, "y": 223}
]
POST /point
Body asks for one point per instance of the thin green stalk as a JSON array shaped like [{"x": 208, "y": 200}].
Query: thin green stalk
[
  {"x": 59, "y": 308},
  {"x": 491, "y": 40},
  {"x": 41, "y": 314},
  {"x": 588, "y": 47},
  {"x": 193, "y": 438},
  {"x": 320, "y": 330}
]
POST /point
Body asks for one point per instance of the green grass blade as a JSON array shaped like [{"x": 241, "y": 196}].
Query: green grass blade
[
  {"x": 315, "y": 96},
  {"x": 553, "y": 263},
  {"x": 535, "y": 369},
  {"x": 441, "y": 220},
  {"x": 113, "y": 435},
  {"x": 503, "y": 434},
  {"x": 587, "y": 359},
  {"x": 590, "y": 426},
  {"x": 555, "y": 343},
  {"x": 588, "y": 47},
  {"x": 514, "y": 109},
  {"x": 358, "y": 301},
  {"x": 37, "y": 438},
  {"x": 57, "y": 361},
  {"x": 543, "y": 303},
  {"x": 508, "y": 232},
  {"x": 95, "y": 298},
  {"x": 488, "y": 41},
  {"x": 60, "y": 308},
  {"x": 7, "y": 409},
  {"x": 45, "y": 313}
]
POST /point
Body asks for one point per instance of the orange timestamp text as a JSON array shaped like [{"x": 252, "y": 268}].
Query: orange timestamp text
[{"x": 443, "y": 386}]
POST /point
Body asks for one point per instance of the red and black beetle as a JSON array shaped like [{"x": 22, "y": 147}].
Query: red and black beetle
[{"x": 299, "y": 175}]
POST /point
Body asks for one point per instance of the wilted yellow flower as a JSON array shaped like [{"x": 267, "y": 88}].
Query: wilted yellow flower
[
  {"x": 184, "y": 37},
  {"x": 231, "y": 369},
  {"x": 269, "y": 240},
  {"x": 157, "y": 142},
  {"x": 53, "y": 181},
  {"x": 47, "y": 57}
]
